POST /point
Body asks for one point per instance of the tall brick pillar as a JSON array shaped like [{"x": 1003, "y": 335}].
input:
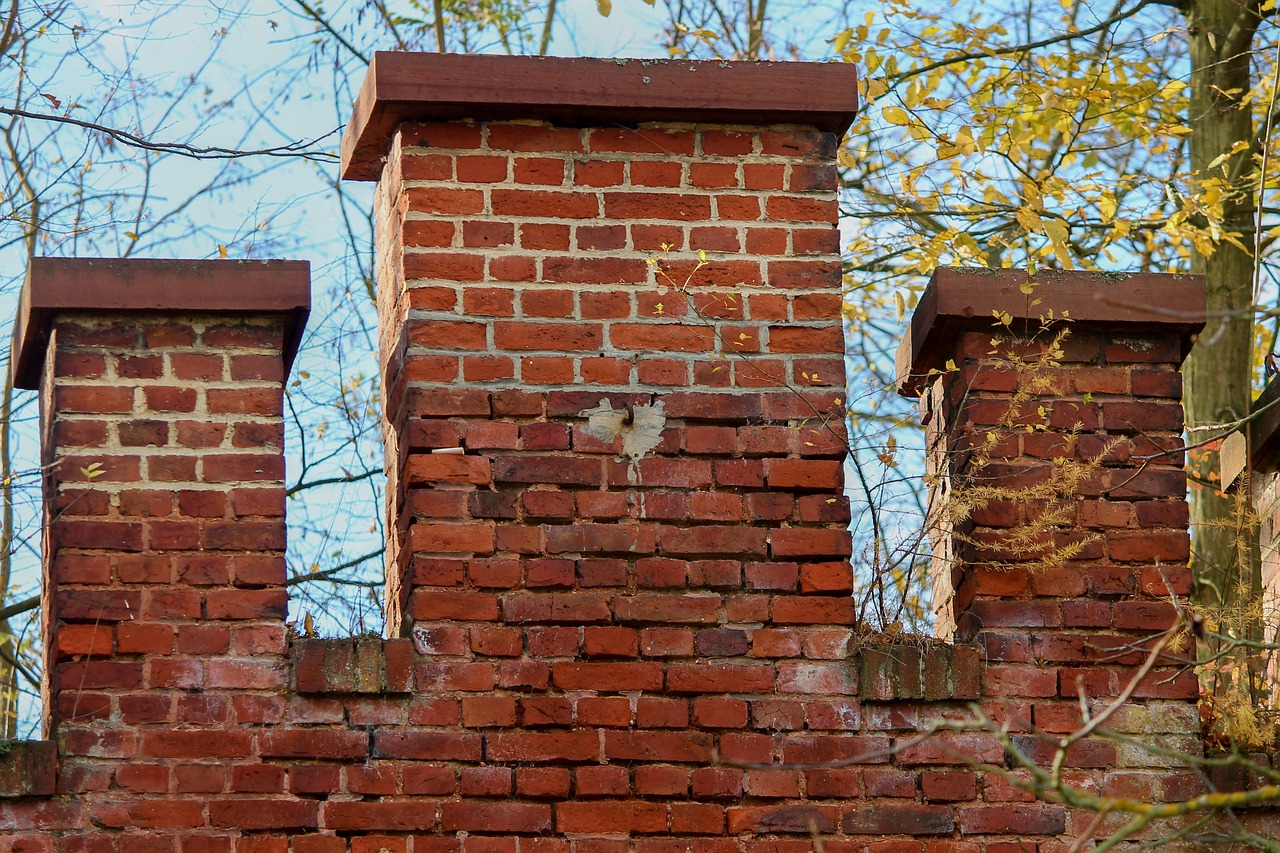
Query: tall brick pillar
[
  {"x": 1095, "y": 440},
  {"x": 161, "y": 400},
  {"x": 616, "y": 509},
  {"x": 583, "y": 427}
]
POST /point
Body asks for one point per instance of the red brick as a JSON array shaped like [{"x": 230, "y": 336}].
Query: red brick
[
  {"x": 543, "y": 746},
  {"x": 397, "y": 816},
  {"x": 428, "y": 233},
  {"x": 1013, "y": 819},
  {"x": 642, "y": 141},
  {"x": 662, "y": 780},
  {"x": 713, "y": 175},
  {"x": 721, "y": 678},
  {"x": 488, "y": 711},
  {"x": 669, "y": 206},
  {"x": 445, "y": 200},
  {"x": 716, "y": 782},
  {"x": 726, "y": 143},
  {"x": 612, "y": 711},
  {"x": 615, "y": 816},
  {"x": 601, "y": 781},
  {"x": 547, "y": 371},
  {"x": 524, "y": 137},
  {"x": 443, "y": 266},
  {"x": 1149, "y": 546},
  {"x": 556, "y": 337},
  {"x": 655, "y": 173},
  {"x": 899, "y": 819},
  {"x": 475, "y": 538},
  {"x": 434, "y": 604},
  {"x": 720, "y": 713},
  {"x": 611, "y": 677},
  {"x": 486, "y": 782},
  {"x": 252, "y": 401},
  {"x": 597, "y": 173},
  {"x": 542, "y": 782},
  {"x": 543, "y": 204},
  {"x": 605, "y": 371}
]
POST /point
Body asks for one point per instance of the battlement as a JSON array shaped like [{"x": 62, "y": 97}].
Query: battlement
[{"x": 618, "y": 575}]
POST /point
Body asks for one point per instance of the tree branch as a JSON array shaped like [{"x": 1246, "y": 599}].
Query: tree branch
[
  {"x": 319, "y": 19},
  {"x": 329, "y": 481},
  {"x": 20, "y": 607},
  {"x": 293, "y": 149}
]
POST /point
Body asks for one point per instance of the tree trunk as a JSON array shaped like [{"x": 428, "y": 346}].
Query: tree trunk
[{"x": 1218, "y": 371}]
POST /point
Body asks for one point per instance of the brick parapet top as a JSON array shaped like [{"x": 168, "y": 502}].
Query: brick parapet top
[
  {"x": 154, "y": 286},
  {"x": 959, "y": 300},
  {"x": 582, "y": 91}
]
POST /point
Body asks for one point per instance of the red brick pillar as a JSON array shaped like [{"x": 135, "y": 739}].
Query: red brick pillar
[
  {"x": 621, "y": 420},
  {"x": 1106, "y": 407},
  {"x": 618, "y": 532},
  {"x": 161, "y": 400}
]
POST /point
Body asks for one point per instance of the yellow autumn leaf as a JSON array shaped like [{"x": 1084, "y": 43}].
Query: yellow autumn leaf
[
  {"x": 874, "y": 88},
  {"x": 889, "y": 455},
  {"x": 1107, "y": 206},
  {"x": 1058, "y": 233},
  {"x": 1030, "y": 220},
  {"x": 897, "y": 116}
]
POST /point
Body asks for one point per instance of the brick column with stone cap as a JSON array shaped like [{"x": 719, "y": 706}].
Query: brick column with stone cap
[
  {"x": 161, "y": 406},
  {"x": 613, "y": 361},
  {"x": 1106, "y": 412},
  {"x": 584, "y": 419}
]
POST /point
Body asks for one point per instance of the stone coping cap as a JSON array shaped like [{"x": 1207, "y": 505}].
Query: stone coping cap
[
  {"x": 153, "y": 286},
  {"x": 963, "y": 299},
  {"x": 581, "y": 91}
]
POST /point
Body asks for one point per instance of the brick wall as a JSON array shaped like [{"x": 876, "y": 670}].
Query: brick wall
[{"x": 619, "y": 598}]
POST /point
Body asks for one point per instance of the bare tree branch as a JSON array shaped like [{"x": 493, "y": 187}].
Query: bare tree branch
[{"x": 302, "y": 149}]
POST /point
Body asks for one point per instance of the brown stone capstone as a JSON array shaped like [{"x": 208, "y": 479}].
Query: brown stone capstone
[
  {"x": 147, "y": 285},
  {"x": 965, "y": 299},
  {"x": 578, "y": 91}
]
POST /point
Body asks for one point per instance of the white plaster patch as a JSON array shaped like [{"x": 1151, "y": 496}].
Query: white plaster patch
[{"x": 639, "y": 437}]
